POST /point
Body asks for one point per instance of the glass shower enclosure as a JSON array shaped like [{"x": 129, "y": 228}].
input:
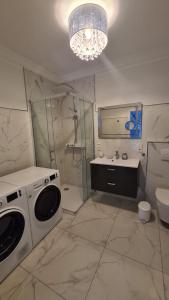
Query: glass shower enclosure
[{"x": 63, "y": 129}]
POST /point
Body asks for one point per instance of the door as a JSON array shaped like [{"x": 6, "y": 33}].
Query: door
[
  {"x": 12, "y": 224},
  {"x": 47, "y": 203}
]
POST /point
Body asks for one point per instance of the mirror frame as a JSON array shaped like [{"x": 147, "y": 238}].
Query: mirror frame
[{"x": 138, "y": 107}]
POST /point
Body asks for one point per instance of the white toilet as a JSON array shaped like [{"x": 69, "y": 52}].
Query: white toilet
[{"x": 162, "y": 196}]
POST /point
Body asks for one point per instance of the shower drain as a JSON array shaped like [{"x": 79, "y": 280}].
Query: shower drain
[{"x": 66, "y": 189}]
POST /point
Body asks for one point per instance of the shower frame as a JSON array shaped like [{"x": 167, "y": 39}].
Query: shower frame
[{"x": 85, "y": 168}]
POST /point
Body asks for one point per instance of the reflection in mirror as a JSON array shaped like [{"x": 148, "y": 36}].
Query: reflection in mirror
[{"x": 121, "y": 121}]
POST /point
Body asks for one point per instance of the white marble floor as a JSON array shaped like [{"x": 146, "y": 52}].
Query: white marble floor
[
  {"x": 72, "y": 198},
  {"x": 102, "y": 253}
]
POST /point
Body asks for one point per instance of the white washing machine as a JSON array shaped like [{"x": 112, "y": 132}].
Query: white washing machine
[
  {"x": 15, "y": 233},
  {"x": 44, "y": 198}
]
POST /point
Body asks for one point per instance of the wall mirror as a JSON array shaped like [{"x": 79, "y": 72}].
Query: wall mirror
[{"x": 121, "y": 121}]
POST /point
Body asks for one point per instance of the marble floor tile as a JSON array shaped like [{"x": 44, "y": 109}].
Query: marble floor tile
[
  {"x": 166, "y": 286},
  {"x": 65, "y": 263},
  {"x": 163, "y": 226},
  {"x": 106, "y": 203},
  {"x": 102, "y": 203},
  {"x": 164, "y": 237},
  {"x": 66, "y": 221},
  {"x": 93, "y": 224},
  {"x": 130, "y": 206},
  {"x": 21, "y": 285},
  {"x": 121, "y": 278},
  {"x": 139, "y": 242},
  {"x": 38, "y": 253},
  {"x": 129, "y": 209}
]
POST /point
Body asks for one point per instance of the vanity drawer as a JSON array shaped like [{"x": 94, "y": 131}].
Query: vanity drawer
[
  {"x": 104, "y": 173},
  {"x": 114, "y": 179}
]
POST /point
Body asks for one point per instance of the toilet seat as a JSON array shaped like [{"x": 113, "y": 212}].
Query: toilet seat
[{"x": 162, "y": 196}]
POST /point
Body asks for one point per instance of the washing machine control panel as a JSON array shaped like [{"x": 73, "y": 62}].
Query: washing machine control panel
[
  {"x": 46, "y": 181},
  {"x": 12, "y": 197},
  {"x": 53, "y": 176},
  {"x": 9, "y": 198}
]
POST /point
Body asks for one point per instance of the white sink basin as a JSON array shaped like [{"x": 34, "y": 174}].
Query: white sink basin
[{"x": 129, "y": 163}]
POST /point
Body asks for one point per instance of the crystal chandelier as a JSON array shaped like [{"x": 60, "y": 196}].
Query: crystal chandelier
[{"x": 88, "y": 31}]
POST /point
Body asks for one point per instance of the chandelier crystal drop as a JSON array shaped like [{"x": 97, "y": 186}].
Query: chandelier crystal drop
[{"x": 88, "y": 31}]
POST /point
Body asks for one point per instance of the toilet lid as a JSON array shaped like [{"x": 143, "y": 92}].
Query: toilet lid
[{"x": 162, "y": 196}]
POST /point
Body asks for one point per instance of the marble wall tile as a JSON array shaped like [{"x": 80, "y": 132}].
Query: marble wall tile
[
  {"x": 118, "y": 277},
  {"x": 84, "y": 87},
  {"x": 40, "y": 133},
  {"x": 65, "y": 263},
  {"x": 16, "y": 147},
  {"x": 155, "y": 122},
  {"x": 38, "y": 87},
  {"x": 139, "y": 242},
  {"x": 22, "y": 285},
  {"x": 157, "y": 170},
  {"x": 54, "y": 125}
]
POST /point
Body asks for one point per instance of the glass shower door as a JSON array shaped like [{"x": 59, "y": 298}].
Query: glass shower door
[
  {"x": 51, "y": 138},
  {"x": 87, "y": 135},
  {"x": 89, "y": 129},
  {"x": 63, "y": 131},
  {"x": 42, "y": 123},
  {"x": 40, "y": 133}
]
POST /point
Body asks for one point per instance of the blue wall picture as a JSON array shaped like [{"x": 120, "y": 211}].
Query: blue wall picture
[{"x": 136, "y": 119}]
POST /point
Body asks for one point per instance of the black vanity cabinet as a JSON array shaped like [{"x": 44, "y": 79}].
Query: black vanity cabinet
[{"x": 114, "y": 179}]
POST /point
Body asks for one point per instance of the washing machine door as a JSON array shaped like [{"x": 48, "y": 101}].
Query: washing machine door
[
  {"x": 12, "y": 224},
  {"x": 47, "y": 203}
]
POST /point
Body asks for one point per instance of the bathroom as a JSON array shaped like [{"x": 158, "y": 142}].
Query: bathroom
[{"x": 52, "y": 107}]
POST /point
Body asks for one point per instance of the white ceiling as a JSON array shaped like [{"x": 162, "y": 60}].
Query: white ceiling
[{"x": 31, "y": 28}]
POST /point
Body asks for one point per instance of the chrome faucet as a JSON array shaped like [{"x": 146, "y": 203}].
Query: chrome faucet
[{"x": 117, "y": 155}]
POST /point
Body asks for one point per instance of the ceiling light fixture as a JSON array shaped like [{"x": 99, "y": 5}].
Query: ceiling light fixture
[{"x": 88, "y": 31}]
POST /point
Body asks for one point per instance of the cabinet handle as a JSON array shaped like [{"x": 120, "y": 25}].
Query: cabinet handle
[
  {"x": 111, "y": 170},
  {"x": 113, "y": 184}
]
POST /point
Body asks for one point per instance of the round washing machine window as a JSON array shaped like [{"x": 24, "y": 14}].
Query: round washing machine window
[
  {"x": 12, "y": 224},
  {"x": 47, "y": 203}
]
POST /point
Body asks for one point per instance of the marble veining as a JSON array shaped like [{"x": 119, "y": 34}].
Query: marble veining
[
  {"x": 157, "y": 171},
  {"x": 66, "y": 221},
  {"x": 53, "y": 124},
  {"x": 93, "y": 225},
  {"x": 65, "y": 263},
  {"x": 102, "y": 253},
  {"x": 118, "y": 277},
  {"x": 131, "y": 238},
  {"x": 16, "y": 150},
  {"x": 22, "y": 285}
]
